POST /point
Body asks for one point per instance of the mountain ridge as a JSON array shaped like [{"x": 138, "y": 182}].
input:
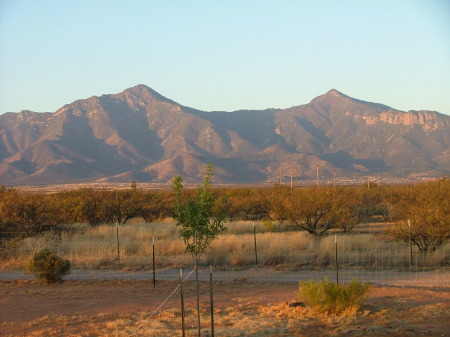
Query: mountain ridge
[{"x": 139, "y": 134}]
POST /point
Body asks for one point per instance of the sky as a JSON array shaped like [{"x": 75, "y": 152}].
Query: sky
[{"x": 225, "y": 55}]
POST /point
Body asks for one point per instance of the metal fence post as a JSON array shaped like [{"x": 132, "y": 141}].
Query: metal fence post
[
  {"x": 118, "y": 244},
  {"x": 337, "y": 265},
  {"x": 153, "y": 265},
  {"x": 254, "y": 238},
  {"x": 182, "y": 304},
  {"x": 410, "y": 245},
  {"x": 211, "y": 296}
]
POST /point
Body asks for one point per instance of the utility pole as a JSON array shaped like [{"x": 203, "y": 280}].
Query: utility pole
[
  {"x": 317, "y": 174},
  {"x": 281, "y": 174},
  {"x": 296, "y": 174},
  {"x": 334, "y": 180},
  {"x": 291, "y": 178}
]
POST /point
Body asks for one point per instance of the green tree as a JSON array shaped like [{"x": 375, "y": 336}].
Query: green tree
[
  {"x": 133, "y": 186},
  {"x": 199, "y": 224}
]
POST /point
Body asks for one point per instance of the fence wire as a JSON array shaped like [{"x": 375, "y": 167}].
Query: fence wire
[
  {"x": 364, "y": 257},
  {"x": 162, "y": 304}
]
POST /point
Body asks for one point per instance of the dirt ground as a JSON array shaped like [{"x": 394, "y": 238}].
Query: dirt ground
[{"x": 242, "y": 308}]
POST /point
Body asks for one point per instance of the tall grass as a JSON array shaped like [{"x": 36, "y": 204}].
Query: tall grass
[{"x": 97, "y": 248}]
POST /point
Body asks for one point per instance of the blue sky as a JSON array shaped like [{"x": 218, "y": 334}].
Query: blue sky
[{"x": 225, "y": 55}]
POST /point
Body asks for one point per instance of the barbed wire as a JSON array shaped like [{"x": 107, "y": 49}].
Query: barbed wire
[{"x": 161, "y": 305}]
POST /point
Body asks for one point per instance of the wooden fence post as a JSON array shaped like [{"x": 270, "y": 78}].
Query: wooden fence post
[{"x": 254, "y": 238}]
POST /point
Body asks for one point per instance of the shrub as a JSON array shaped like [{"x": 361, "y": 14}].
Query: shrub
[
  {"x": 47, "y": 265},
  {"x": 269, "y": 225},
  {"x": 328, "y": 297}
]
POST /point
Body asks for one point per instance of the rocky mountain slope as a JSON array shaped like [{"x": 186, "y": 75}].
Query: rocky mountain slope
[{"x": 140, "y": 135}]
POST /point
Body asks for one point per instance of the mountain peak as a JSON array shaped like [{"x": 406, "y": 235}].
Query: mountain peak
[
  {"x": 139, "y": 134},
  {"x": 334, "y": 92},
  {"x": 331, "y": 95},
  {"x": 140, "y": 87},
  {"x": 143, "y": 90}
]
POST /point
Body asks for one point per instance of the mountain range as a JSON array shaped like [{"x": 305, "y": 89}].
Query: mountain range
[{"x": 140, "y": 135}]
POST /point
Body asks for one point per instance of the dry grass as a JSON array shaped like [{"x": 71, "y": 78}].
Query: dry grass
[
  {"x": 247, "y": 318},
  {"x": 117, "y": 308},
  {"x": 97, "y": 248}
]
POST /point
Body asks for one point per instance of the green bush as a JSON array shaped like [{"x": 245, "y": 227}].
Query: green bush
[
  {"x": 49, "y": 266},
  {"x": 269, "y": 225},
  {"x": 328, "y": 297}
]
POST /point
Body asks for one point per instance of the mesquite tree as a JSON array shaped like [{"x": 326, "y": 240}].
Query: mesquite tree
[
  {"x": 422, "y": 216},
  {"x": 199, "y": 223},
  {"x": 309, "y": 209},
  {"x": 121, "y": 207}
]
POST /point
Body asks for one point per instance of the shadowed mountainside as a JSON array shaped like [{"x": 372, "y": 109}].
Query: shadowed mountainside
[{"x": 140, "y": 135}]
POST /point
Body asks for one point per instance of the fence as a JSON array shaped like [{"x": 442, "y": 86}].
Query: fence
[{"x": 365, "y": 257}]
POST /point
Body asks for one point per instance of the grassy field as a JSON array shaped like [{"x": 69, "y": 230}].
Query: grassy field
[
  {"x": 96, "y": 307},
  {"x": 364, "y": 248}
]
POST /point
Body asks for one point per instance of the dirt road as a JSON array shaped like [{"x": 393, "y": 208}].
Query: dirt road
[
  {"x": 384, "y": 278},
  {"x": 252, "y": 302}
]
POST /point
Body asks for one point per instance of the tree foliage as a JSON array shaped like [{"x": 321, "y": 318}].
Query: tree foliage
[
  {"x": 351, "y": 207},
  {"x": 308, "y": 209},
  {"x": 422, "y": 214},
  {"x": 122, "y": 206},
  {"x": 316, "y": 210},
  {"x": 246, "y": 203},
  {"x": 199, "y": 223}
]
